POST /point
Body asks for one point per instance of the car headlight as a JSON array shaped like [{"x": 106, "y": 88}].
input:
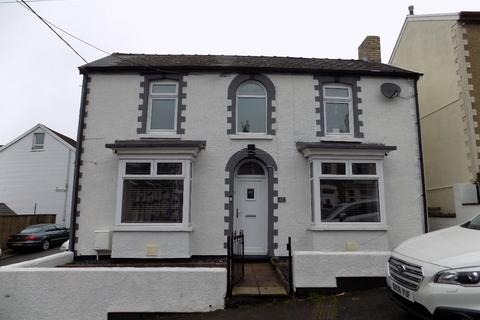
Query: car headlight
[{"x": 465, "y": 277}]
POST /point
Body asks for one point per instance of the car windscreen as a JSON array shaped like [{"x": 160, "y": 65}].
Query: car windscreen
[
  {"x": 31, "y": 230},
  {"x": 474, "y": 224}
]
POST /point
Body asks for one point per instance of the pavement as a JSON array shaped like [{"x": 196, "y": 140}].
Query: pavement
[
  {"x": 11, "y": 257},
  {"x": 373, "y": 304}
]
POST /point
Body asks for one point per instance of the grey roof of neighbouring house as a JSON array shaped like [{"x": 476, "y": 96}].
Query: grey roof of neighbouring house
[
  {"x": 5, "y": 210},
  {"x": 160, "y": 63},
  {"x": 68, "y": 140}
]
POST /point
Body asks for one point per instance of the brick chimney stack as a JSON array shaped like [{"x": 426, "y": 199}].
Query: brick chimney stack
[{"x": 369, "y": 50}]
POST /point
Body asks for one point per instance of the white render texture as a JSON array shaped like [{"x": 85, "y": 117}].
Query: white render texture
[
  {"x": 151, "y": 244},
  {"x": 112, "y": 115},
  {"x": 316, "y": 269},
  {"x": 43, "y": 177},
  {"x": 90, "y": 293}
]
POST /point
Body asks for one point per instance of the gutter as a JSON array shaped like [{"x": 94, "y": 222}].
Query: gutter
[
  {"x": 81, "y": 121},
  {"x": 67, "y": 187},
  {"x": 422, "y": 168}
]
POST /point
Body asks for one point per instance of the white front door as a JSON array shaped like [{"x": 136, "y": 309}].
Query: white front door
[{"x": 250, "y": 213}]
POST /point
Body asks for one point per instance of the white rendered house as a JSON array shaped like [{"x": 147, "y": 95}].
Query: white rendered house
[
  {"x": 36, "y": 173},
  {"x": 178, "y": 151}
]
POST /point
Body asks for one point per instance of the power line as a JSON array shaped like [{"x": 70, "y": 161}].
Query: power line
[
  {"x": 75, "y": 37},
  {"x": 24, "y": 4},
  {"x": 50, "y": 24},
  {"x": 2, "y": 2}
]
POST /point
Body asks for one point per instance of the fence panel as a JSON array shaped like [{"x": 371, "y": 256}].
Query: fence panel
[{"x": 13, "y": 224}]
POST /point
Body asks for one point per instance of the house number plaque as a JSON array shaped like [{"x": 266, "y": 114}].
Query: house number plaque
[{"x": 282, "y": 199}]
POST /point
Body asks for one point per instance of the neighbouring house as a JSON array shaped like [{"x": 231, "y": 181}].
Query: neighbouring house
[
  {"x": 446, "y": 49},
  {"x": 6, "y": 211},
  {"x": 178, "y": 151},
  {"x": 36, "y": 173}
]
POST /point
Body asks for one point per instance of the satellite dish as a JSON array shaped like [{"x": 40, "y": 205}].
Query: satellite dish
[{"x": 390, "y": 90}]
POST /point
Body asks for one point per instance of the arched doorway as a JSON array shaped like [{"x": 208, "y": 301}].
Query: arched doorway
[
  {"x": 251, "y": 177},
  {"x": 251, "y": 206}
]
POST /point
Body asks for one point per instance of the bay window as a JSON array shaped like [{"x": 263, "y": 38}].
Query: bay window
[
  {"x": 347, "y": 191},
  {"x": 154, "y": 192}
]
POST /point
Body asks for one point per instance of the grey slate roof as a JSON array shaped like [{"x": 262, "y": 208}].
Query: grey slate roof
[
  {"x": 159, "y": 63},
  {"x": 5, "y": 210},
  {"x": 68, "y": 140}
]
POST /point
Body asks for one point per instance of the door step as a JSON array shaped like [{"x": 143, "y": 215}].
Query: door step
[
  {"x": 261, "y": 279},
  {"x": 259, "y": 291}
]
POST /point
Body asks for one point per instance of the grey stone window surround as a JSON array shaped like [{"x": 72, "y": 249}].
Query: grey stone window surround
[
  {"x": 351, "y": 81},
  {"x": 232, "y": 96},
  {"x": 143, "y": 107},
  {"x": 267, "y": 160}
]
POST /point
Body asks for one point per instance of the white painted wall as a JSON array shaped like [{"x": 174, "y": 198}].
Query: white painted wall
[
  {"x": 316, "y": 269},
  {"x": 462, "y": 193},
  {"x": 151, "y": 244},
  {"x": 90, "y": 293},
  {"x": 28, "y": 177},
  {"x": 391, "y": 122}
]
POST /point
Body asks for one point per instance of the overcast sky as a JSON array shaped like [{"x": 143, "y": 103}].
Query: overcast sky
[{"x": 39, "y": 80}]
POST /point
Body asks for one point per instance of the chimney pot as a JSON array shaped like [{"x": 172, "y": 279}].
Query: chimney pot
[
  {"x": 410, "y": 10},
  {"x": 369, "y": 49}
]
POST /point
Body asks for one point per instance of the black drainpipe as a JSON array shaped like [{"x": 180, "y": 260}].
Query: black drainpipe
[
  {"x": 81, "y": 120},
  {"x": 422, "y": 169}
]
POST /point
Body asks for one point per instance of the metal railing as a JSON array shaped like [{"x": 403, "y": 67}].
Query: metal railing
[
  {"x": 290, "y": 267},
  {"x": 235, "y": 260}
]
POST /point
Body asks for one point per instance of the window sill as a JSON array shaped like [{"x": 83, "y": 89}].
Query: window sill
[
  {"x": 151, "y": 228},
  {"x": 163, "y": 135},
  {"x": 37, "y": 150},
  {"x": 348, "y": 227},
  {"x": 340, "y": 139},
  {"x": 251, "y": 136}
]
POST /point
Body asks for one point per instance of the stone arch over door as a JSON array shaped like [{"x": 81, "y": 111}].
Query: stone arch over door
[{"x": 272, "y": 192}]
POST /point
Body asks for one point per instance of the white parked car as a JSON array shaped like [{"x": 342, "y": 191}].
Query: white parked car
[{"x": 438, "y": 274}]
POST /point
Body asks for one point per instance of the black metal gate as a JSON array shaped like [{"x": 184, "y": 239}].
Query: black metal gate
[{"x": 235, "y": 260}]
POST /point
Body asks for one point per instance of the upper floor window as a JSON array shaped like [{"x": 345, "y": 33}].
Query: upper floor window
[
  {"x": 251, "y": 108},
  {"x": 162, "y": 106},
  {"x": 338, "y": 113},
  {"x": 38, "y": 141}
]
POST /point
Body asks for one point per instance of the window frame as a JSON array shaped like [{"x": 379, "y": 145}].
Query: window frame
[
  {"x": 186, "y": 177},
  {"x": 161, "y": 96},
  {"x": 315, "y": 199},
  {"x": 265, "y": 97},
  {"x": 35, "y": 146},
  {"x": 335, "y": 99}
]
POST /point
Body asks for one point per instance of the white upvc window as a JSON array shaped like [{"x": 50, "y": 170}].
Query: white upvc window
[
  {"x": 154, "y": 192},
  {"x": 337, "y": 110},
  {"x": 38, "y": 141},
  {"x": 162, "y": 106},
  {"x": 347, "y": 192},
  {"x": 251, "y": 108}
]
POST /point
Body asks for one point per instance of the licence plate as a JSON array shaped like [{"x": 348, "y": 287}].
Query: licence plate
[{"x": 407, "y": 294}]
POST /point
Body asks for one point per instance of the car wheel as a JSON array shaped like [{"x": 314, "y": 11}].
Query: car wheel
[{"x": 45, "y": 245}]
